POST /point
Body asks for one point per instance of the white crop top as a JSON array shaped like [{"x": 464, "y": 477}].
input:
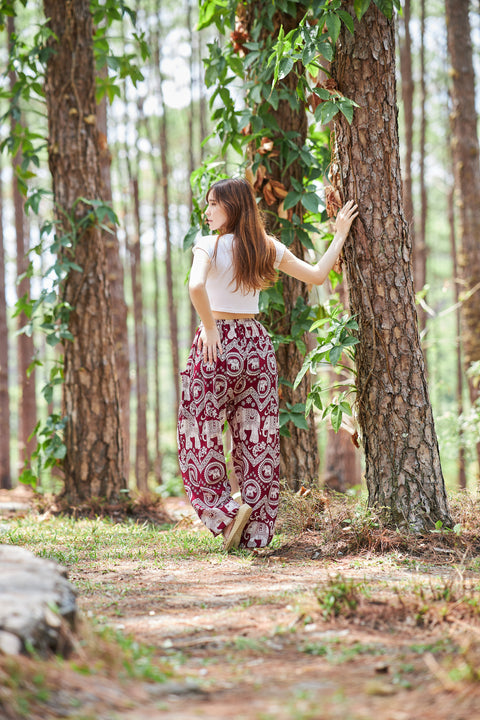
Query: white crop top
[{"x": 219, "y": 284}]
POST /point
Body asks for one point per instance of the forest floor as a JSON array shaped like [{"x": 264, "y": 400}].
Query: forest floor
[{"x": 349, "y": 622}]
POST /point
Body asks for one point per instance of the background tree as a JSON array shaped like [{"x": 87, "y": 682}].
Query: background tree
[
  {"x": 25, "y": 348},
  {"x": 466, "y": 165},
  {"x": 115, "y": 282},
  {"x": 94, "y": 451},
  {"x": 403, "y": 472},
  {"x": 5, "y": 474}
]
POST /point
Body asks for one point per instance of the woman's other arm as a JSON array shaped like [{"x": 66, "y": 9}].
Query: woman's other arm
[
  {"x": 209, "y": 341},
  {"x": 317, "y": 274}
]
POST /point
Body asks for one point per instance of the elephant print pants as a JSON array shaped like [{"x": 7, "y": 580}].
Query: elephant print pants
[{"x": 240, "y": 388}]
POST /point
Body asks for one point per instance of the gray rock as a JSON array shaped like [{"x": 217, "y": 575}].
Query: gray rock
[{"x": 37, "y": 604}]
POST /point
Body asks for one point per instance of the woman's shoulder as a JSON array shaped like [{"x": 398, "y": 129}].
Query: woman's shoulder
[
  {"x": 279, "y": 249},
  {"x": 206, "y": 243}
]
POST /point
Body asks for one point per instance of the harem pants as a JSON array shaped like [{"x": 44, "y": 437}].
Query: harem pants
[{"x": 241, "y": 388}]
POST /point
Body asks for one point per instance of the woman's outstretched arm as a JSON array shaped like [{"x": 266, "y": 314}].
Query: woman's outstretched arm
[{"x": 317, "y": 274}]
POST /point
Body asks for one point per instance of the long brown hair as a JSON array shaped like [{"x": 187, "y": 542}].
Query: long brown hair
[{"x": 253, "y": 252}]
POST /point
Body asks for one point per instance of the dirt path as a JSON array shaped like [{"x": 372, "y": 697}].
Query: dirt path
[{"x": 250, "y": 641}]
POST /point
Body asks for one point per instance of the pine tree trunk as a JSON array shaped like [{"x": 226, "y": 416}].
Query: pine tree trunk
[
  {"x": 403, "y": 472},
  {"x": 5, "y": 468},
  {"x": 141, "y": 454},
  {"x": 157, "y": 332},
  {"x": 171, "y": 302},
  {"x": 465, "y": 152},
  {"x": 420, "y": 250},
  {"x": 191, "y": 135},
  {"x": 299, "y": 459},
  {"x": 94, "y": 461},
  {"x": 407, "y": 86},
  {"x": 116, "y": 288},
  {"x": 26, "y": 350},
  {"x": 462, "y": 476}
]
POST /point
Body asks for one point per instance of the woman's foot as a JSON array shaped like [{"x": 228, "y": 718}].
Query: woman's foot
[{"x": 233, "y": 532}]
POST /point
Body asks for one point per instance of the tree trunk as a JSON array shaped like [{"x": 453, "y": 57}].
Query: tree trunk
[
  {"x": 171, "y": 302},
  {"x": 420, "y": 250},
  {"x": 191, "y": 135},
  {"x": 156, "y": 349},
  {"x": 141, "y": 454},
  {"x": 462, "y": 477},
  {"x": 403, "y": 472},
  {"x": 299, "y": 460},
  {"x": 5, "y": 468},
  {"x": 94, "y": 463},
  {"x": 407, "y": 86},
  {"x": 26, "y": 351},
  {"x": 465, "y": 152},
  {"x": 116, "y": 288}
]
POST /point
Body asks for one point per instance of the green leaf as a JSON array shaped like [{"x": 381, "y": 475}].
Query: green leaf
[
  {"x": 310, "y": 201},
  {"x": 347, "y": 19},
  {"x": 335, "y": 354},
  {"x": 346, "y": 108},
  {"x": 386, "y": 7},
  {"x": 292, "y": 198},
  {"x": 334, "y": 26},
  {"x": 361, "y": 7},
  {"x": 336, "y": 417},
  {"x": 328, "y": 110},
  {"x": 285, "y": 67},
  {"x": 322, "y": 93}
]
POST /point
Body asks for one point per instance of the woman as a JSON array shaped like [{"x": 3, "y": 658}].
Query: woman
[{"x": 231, "y": 372}]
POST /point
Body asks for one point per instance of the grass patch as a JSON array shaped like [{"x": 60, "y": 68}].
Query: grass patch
[{"x": 83, "y": 542}]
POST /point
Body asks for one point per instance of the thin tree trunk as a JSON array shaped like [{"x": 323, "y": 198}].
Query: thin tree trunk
[
  {"x": 5, "y": 468},
  {"x": 407, "y": 86},
  {"x": 171, "y": 303},
  {"x": 462, "y": 477},
  {"x": 420, "y": 249},
  {"x": 202, "y": 100},
  {"x": 466, "y": 166},
  {"x": 26, "y": 351},
  {"x": 116, "y": 287},
  {"x": 141, "y": 454},
  {"x": 403, "y": 473},
  {"x": 156, "y": 350},
  {"x": 94, "y": 460},
  {"x": 191, "y": 137}
]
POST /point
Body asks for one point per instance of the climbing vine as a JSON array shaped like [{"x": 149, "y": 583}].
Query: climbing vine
[{"x": 247, "y": 73}]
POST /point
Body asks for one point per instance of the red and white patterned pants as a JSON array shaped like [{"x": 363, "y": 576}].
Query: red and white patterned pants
[{"x": 240, "y": 388}]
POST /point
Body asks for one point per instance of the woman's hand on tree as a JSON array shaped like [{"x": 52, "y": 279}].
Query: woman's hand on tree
[{"x": 345, "y": 216}]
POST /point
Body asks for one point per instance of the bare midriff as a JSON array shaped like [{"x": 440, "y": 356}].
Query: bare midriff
[{"x": 231, "y": 316}]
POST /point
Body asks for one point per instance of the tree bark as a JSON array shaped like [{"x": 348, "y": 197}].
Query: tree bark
[
  {"x": 141, "y": 445},
  {"x": 466, "y": 167},
  {"x": 191, "y": 135},
  {"x": 407, "y": 85},
  {"x": 403, "y": 473},
  {"x": 94, "y": 463},
  {"x": 27, "y": 407},
  {"x": 421, "y": 250},
  {"x": 171, "y": 302},
  {"x": 462, "y": 476},
  {"x": 115, "y": 279},
  {"x": 5, "y": 467}
]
